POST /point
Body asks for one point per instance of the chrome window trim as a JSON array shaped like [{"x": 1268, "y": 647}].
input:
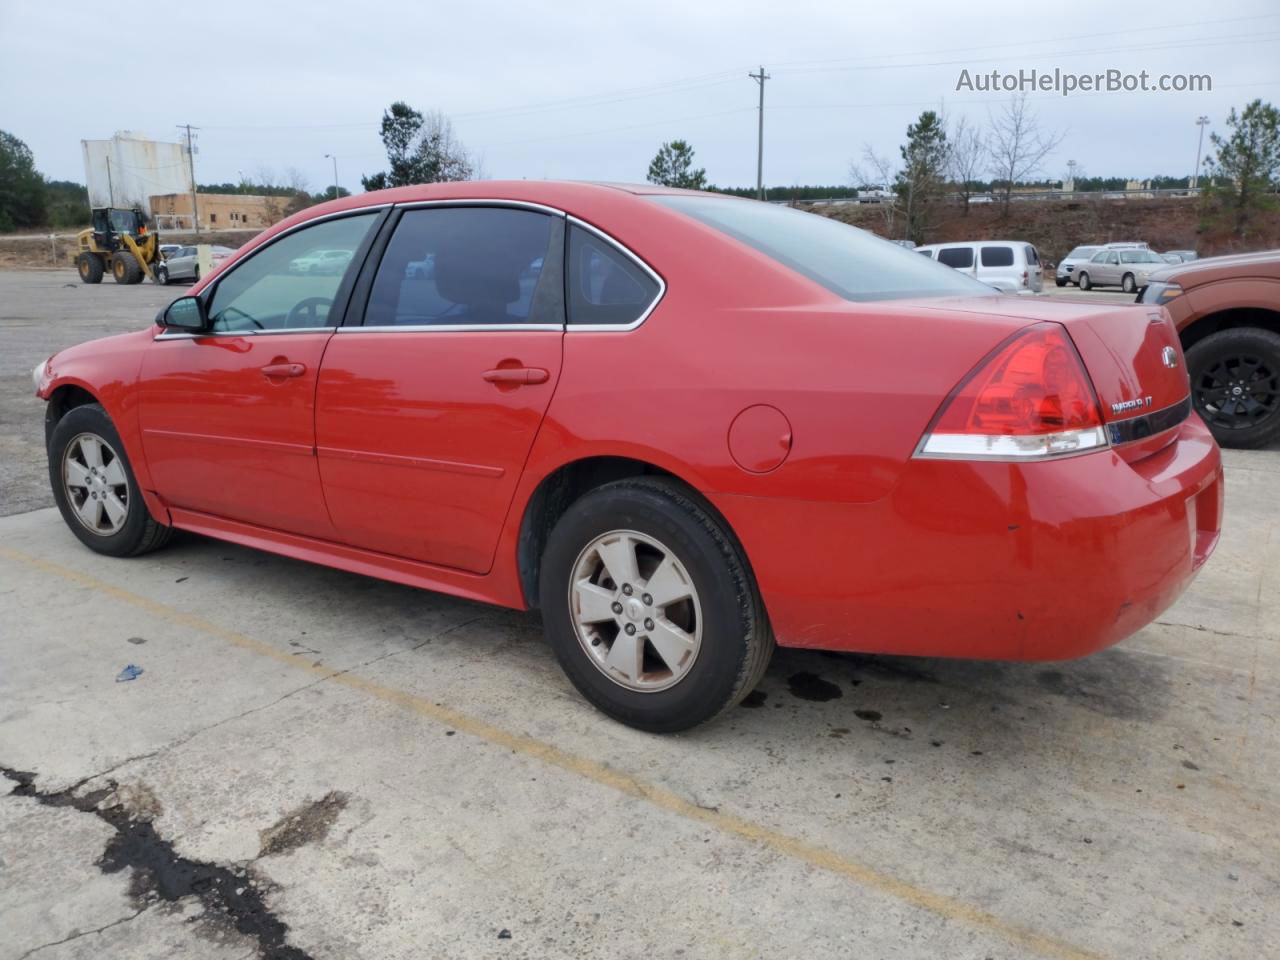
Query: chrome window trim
[
  {"x": 622, "y": 248},
  {"x": 166, "y": 335},
  {"x": 481, "y": 202},
  {"x": 453, "y": 328}
]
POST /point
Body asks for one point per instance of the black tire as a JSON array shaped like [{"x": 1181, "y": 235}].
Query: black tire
[
  {"x": 736, "y": 639},
  {"x": 140, "y": 533},
  {"x": 1083, "y": 281},
  {"x": 162, "y": 275},
  {"x": 1128, "y": 284},
  {"x": 90, "y": 268},
  {"x": 195, "y": 275},
  {"x": 1060, "y": 281},
  {"x": 1247, "y": 358},
  {"x": 125, "y": 268}
]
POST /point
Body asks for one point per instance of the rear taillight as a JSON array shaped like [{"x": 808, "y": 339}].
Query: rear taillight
[{"x": 1031, "y": 397}]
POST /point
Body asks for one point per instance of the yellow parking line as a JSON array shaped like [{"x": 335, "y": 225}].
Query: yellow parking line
[{"x": 946, "y": 907}]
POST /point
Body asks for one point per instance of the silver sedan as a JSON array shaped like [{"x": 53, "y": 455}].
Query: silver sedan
[
  {"x": 184, "y": 264},
  {"x": 1127, "y": 269}
]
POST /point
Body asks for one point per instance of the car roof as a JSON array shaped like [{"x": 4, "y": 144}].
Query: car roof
[
  {"x": 1211, "y": 268},
  {"x": 975, "y": 243}
]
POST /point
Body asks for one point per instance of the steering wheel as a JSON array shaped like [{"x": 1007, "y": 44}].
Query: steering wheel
[{"x": 310, "y": 308}]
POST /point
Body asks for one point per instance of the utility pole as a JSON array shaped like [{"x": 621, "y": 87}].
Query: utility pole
[
  {"x": 334, "y": 158},
  {"x": 111, "y": 190},
  {"x": 1070, "y": 186},
  {"x": 760, "y": 78},
  {"x": 191, "y": 167},
  {"x": 1202, "y": 122}
]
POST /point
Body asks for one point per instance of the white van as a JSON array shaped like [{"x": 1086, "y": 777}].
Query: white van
[{"x": 1009, "y": 265}]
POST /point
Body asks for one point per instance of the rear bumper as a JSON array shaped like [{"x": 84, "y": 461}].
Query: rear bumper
[{"x": 1035, "y": 561}]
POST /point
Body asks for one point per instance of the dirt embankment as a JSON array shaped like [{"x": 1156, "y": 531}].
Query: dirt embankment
[
  {"x": 35, "y": 252},
  {"x": 1056, "y": 226}
]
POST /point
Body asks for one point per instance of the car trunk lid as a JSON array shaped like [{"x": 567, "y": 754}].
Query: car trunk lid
[{"x": 1131, "y": 352}]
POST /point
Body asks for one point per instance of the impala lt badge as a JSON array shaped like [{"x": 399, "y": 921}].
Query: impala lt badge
[
  {"x": 1170, "y": 357},
  {"x": 1137, "y": 404}
]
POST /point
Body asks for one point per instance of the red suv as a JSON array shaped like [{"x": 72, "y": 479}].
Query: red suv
[{"x": 681, "y": 425}]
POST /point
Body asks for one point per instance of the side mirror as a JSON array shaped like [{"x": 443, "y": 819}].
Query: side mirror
[{"x": 185, "y": 313}]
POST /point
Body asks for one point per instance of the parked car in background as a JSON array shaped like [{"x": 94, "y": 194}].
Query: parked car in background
[
  {"x": 185, "y": 264},
  {"x": 1067, "y": 265},
  {"x": 169, "y": 249},
  {"x": 1125, "y": 267},
  {"x": 1012, "y": 266},
  {"x": 1227, "y": 312},
  {"x": 322, "y": 262},
  {"x": 608, "y": 437}
]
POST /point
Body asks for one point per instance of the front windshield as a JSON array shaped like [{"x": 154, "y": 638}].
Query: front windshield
[{"x": 849, "y": 262}]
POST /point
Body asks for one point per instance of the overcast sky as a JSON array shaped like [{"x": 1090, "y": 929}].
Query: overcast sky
[{"x": 588, "y": 90}]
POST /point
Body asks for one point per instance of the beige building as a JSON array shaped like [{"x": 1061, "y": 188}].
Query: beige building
[{"x": 218, "y": 211}]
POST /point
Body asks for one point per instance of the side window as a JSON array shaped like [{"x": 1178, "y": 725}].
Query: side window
[
  {"x": 469, "y": 265},
  {"x": 997, "y": 256},
  {"x": 605, "y": 285},
  {"x": 282, "y": 286},
  {"x": 1113, "y": 258},
  {"x": 959, "y": 257}
]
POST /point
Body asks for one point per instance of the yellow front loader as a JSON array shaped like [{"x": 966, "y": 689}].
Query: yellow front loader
[{"x": 118, "y": 241}]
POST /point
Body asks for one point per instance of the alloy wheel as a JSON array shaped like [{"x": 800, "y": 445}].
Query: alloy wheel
[
  {"x": 1238, "y": 392},
  {"x": 635, "y": 611},
  {"x": 94, "y": 481}
]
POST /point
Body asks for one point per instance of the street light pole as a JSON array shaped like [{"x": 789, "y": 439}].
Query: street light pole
[
  {"x": 1202, "y": 122},
  {"x": 334, "y": 158}
]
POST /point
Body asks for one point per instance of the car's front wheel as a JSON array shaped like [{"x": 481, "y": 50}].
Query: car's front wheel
[
  {"x": 95, "y": 488},
  {"x": 1235, "y": 385},
  {"x": 1083, "y": 282},
  {"x": 162, "y": 275},
  {"x": 1060, "y": 281},
  {"x": 650, "y": 608}
]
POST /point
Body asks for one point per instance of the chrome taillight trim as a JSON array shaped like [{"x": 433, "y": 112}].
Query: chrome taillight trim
[{"x": 1013, "y": 449}]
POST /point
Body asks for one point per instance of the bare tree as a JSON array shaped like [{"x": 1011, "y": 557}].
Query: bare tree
[
  {"x": 967, "y": 159},
  {"x": 878, "y": 171},
  {"x": 1017, "y": 146}
]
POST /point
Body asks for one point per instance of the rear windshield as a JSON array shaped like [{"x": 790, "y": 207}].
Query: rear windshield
[{"x": 847, "y": 261}]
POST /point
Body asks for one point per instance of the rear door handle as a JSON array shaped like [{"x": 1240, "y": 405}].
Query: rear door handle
[
  {"x": 284, "y": 370},
  {"x": 517, "y": 375}
]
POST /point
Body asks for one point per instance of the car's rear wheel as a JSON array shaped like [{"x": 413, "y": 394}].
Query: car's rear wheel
[
  {"x": 1127, "y": 283},
  {"x": 1084, "y": 282},
  {"x": 650, "y": 608},
  {"x": 1235, "y": 385},
  {"x": 95, "y": 488}
]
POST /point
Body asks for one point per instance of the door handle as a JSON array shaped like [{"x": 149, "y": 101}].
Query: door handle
[
  {"x": 284, "y": 370},
  {"x": 516, "y": 375}
]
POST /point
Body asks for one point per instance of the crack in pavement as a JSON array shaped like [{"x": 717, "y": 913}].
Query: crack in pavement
[
  {"x": 86, "y": 933},
  {"x": 230, "y": 896}
]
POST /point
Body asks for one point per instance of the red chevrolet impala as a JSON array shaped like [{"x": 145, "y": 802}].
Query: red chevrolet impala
[{"x": 684, "y": 426}]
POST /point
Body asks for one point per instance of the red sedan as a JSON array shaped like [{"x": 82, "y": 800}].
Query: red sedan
[{"x": 684, "y": 426}]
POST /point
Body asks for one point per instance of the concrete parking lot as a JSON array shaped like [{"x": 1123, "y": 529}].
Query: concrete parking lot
[{"x": 317, "y": 765}]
